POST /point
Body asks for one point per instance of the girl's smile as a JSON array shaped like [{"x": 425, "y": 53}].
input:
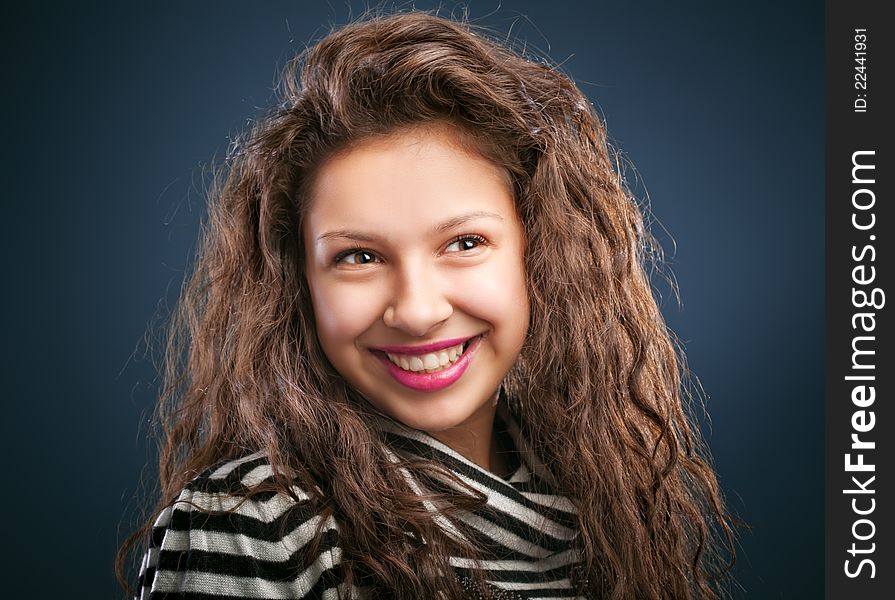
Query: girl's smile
[
  {"x": 432, "y": 366},
  {"x": 414, "y": 260}
]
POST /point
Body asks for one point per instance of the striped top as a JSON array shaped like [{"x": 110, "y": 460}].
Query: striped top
[{"x": 252, "y": 551}]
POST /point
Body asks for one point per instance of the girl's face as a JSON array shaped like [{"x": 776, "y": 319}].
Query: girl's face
[{"x": 415, "y": 266}]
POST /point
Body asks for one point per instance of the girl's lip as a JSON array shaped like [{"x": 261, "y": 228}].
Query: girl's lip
[
  {"x": 431, "y": 382},
  {"x": 423, "y": 348}
]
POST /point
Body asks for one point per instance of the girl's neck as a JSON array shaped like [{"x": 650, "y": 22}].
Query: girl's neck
[{"x": 478, "y": 440}]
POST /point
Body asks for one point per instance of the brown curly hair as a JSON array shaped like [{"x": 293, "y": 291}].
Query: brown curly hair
[{"x": 598, "y": 388}]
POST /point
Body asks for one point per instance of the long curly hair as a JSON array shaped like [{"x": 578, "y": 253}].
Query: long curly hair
[{"x": 599, "y": 388}]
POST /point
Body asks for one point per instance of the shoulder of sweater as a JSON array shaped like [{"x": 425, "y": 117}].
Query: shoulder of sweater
[
  {"x": 242, "y": 489},
  {"x": 229, "y": 534},
  {"x": 235, "y": 476}
]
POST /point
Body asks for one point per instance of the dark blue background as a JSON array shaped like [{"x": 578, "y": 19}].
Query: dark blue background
[{"x": 116, "y": 113}]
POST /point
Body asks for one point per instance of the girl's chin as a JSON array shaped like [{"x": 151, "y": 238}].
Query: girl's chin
[
  {"x": 430, "y": 422},
  {"x": 436, "y": 416}
]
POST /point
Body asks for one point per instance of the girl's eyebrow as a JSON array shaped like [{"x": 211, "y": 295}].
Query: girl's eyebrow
[
  {"x": 457, "y": 221},
  {"x": 464, "y": 218}
]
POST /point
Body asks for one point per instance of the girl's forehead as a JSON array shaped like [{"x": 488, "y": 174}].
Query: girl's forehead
[{"x": 421, "y": 177}]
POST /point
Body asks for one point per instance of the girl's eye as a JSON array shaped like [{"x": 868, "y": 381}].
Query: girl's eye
[
  {"x": 355, "y": 256},
  {"x": 465, "y": 243}
]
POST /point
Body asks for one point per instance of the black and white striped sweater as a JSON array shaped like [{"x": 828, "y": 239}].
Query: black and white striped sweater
[{"x": 252, "y": 551}]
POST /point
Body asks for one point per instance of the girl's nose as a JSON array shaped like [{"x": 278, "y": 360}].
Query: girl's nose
[{"x": 418, "y": 303}]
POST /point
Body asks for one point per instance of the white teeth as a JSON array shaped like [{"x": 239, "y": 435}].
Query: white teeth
[{"x": 430, "y": 363}]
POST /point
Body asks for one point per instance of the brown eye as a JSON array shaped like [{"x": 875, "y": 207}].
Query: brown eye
[
  {"x": 465, "y": 243},
  {"x": 355, "y": 257}
]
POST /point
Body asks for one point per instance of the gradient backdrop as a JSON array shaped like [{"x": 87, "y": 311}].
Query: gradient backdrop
[{"x": 117, "y": 111}]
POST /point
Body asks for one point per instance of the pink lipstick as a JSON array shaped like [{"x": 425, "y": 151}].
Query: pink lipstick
[
  {"x": 422, "y": 349},
  {"x": 428, "y": 382}
]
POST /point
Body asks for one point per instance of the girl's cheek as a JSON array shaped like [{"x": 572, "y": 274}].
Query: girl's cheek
[
  {"x": 498, "y": 290},
  {"x": 345, "y": 311}
]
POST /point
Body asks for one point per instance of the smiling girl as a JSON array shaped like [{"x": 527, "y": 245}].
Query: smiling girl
[{"x": 419, "y": 356}]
